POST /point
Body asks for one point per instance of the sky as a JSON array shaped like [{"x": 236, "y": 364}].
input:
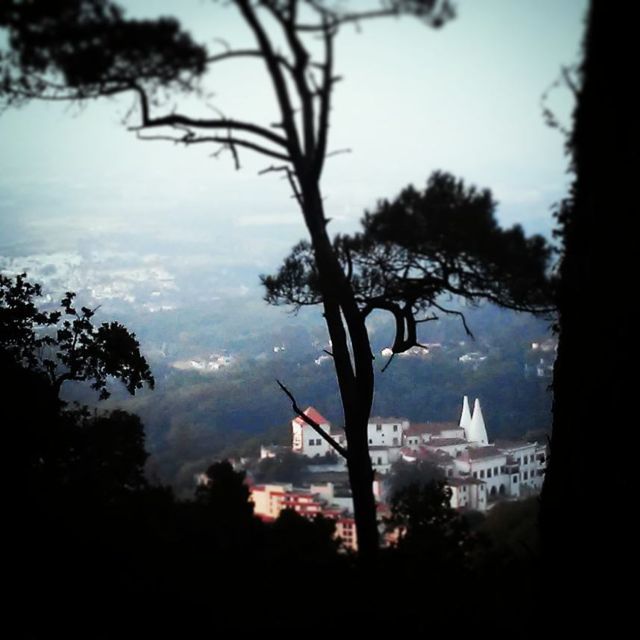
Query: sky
[{"x": 83, "y": 200}]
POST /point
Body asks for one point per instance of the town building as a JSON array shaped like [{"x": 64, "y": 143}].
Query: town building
[
  {"x": 307, "y": 441},
  {"x": 269, "y": 500},
  {"x": 477, "y": 471}
]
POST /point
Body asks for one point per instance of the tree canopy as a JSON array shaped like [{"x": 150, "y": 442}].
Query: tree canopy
[
  {"x": 419, "y": 248},
  {"x": 62, "y": 49},
  {"x": 65, "y": 344}
]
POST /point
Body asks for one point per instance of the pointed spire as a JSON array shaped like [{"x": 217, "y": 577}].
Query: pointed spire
[
  {"x": 477, "y": 429},
  {"x": 465, "y": 418}
]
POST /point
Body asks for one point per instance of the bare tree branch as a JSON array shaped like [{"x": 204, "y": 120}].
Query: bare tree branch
[
  {"x": 227, "y": 141},
  {"x": 178, "y": 120},
  {"x": 325, "y": 98},
  {"x": 453, "y": 312},
  {"x": 247, "y": 53},
  {"x": 312, "y": 423},
  {"x": 292, "y": 141},
  {"x": 389, "y": 361},
  {"x": 299, "y": 73}
]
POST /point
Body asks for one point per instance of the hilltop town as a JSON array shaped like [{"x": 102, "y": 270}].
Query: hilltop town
[{"x": 478, "y": 473}]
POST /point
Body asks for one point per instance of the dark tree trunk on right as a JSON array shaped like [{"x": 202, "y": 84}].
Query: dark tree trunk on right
[{"x": 585, "y": 517}]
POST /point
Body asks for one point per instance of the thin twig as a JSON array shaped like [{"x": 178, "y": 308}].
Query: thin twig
[{"x": 389, "y": 361}]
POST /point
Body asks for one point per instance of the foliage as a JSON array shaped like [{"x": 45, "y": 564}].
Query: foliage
[
  {"x": 300, "y": 540},
  {"x": 65, "y": 344},
  {"x": 428, "y": 530},
  {"x": 289, "y": 467},
  {"x": 420, "y": 247},
  {"x": 403, "y": 474},
  {"x": 85, "y": 48},
  {"x": 109, "y": 452},
  {"x": 226, "y": 494}
]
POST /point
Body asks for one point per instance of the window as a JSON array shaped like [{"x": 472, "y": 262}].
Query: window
[
  {"x": 395, "y": 442},
  {"x": 475, "y": 474},
  {"x": 526, "y": 475},
  {"x": 515, "y": 479},
  {"x": 395, "y": 427},
  {"x": 370, "y": 441},
  {"x": 482, "y": 473},
  {"x": 495, "y": 471},
  {"x": 378, "y": 427},
  {"x": 379, "y": 460},
  {"x": 488, "y": 473}
]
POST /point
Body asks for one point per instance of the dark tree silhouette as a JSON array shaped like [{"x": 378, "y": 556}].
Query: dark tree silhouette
[
  {"x": 421, "y": 248},
  {"x": 226, "y": 493},
  {"x": 433, "y": 536},
  {"x": 65, "y": 344},
  {"x": 586, "y": 529},
  {"x": 78, "y": 49},
  {"x": 404, "y": 474}
]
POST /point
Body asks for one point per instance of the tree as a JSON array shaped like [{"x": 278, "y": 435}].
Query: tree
[
  {"x": 289, "y": 467},
  {"x": 61, "y": 452},
  {"x": 65, "y": 345},
  {"x": 81, "y": 49},
  {"x": 431, "y": 534},
  {"x": 419, "y": 249},
  {"x": 226, "y": 494},
  {"x": 404, "y": 474},
  {"x": 585, "y": 530}
]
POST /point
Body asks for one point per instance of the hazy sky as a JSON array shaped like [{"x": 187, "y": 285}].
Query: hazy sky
[{"x": 465, "y": 99}]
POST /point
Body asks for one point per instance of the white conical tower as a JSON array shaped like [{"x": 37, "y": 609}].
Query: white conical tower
[
  {"x": 477, "y": 430},
  {"x": 465, "y": 418}
]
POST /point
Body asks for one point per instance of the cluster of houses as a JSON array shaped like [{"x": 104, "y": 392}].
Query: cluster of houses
[{"x": 477, "y": 472}]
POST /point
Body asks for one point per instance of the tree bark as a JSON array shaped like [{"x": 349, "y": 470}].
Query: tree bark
[
  {"x": 353, "y": 361},
  {"x": 584, "y": 523}
]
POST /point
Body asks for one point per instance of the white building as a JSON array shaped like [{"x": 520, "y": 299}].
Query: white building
[
  {"x": 386, "y": 432},
  {"x": 307, "y": 441},
  {"x": 468, "y": 493},
  {"x": 477, "y": 471}
]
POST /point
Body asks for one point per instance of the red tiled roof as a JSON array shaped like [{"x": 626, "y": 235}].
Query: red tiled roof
[{"x": 312, "y": 413}]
